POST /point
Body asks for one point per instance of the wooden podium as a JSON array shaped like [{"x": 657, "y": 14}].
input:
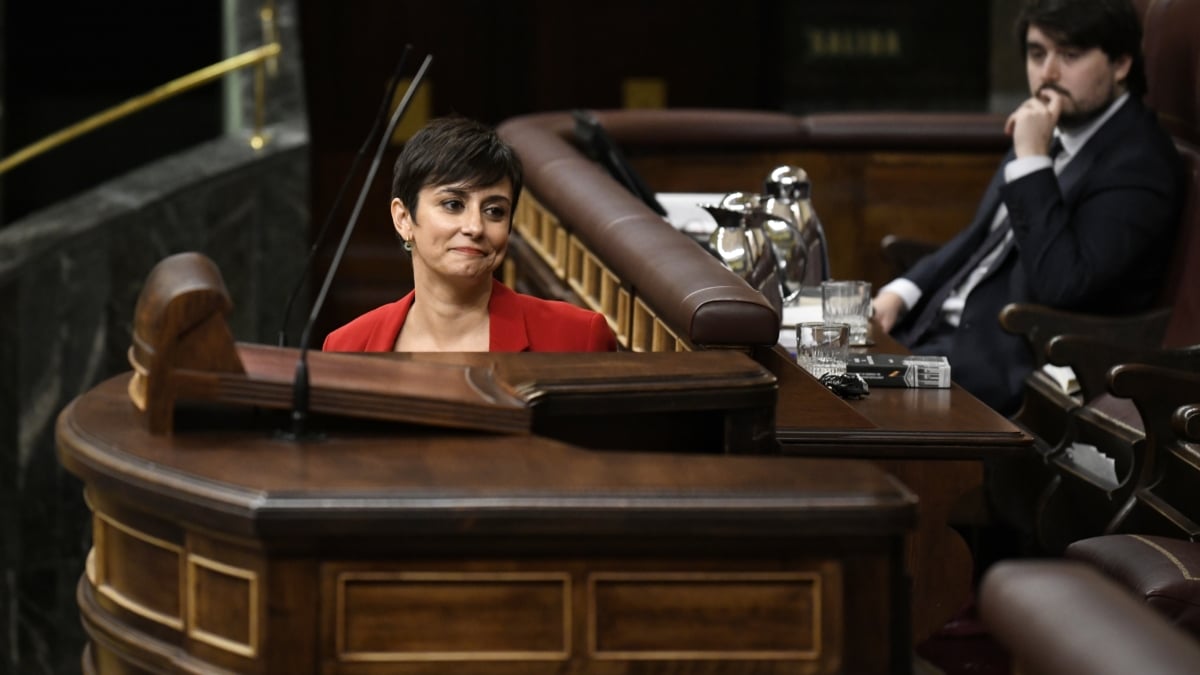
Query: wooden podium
[{"x": 400, "y": 543}]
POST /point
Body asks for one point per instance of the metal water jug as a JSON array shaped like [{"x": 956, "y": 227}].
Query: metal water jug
[
  {"x": 739, "y": 241},
  {"x": 802, "y": 249}
]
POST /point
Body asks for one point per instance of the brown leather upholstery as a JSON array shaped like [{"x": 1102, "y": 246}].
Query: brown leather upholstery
[
  {"x": 1162, "y": 570},
  {"x": 1065, "y": 618},
  {"x": 1183, "y": 278},
  {"x": 1155, "y": 455},
  {"x": 1172, "y": 52},
  {"x": 1169, "y": 29}
]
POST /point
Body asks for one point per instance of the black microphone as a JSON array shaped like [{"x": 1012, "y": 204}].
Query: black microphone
[
  {"x": 380, "y": 116},
  {"x": 601, "y": 148},
  {"x": 300, "y": 387}
]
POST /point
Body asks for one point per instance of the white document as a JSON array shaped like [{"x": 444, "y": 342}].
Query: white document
[
  {"x": 808, "y": 308},
  {"x": 1064, "y": 376},
  {"x": 684, "y": 210},
  {"x": 1100, "y": 465}
]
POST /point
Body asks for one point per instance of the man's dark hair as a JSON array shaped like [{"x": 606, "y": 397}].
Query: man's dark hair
[
  {"x": 1111, "y": 25},
  {"x": 454, "y": 151}
]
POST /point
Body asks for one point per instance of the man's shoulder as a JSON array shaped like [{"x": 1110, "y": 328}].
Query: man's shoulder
[
  {"x": 1133, "y": 144},
  {"x": 1136, "y": 118}
]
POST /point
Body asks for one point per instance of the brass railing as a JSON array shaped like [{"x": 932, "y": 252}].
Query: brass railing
[{"x": 263, "y": 57}]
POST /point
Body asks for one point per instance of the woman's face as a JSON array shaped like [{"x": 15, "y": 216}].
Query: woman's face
[{"x": 457, "y": 233}]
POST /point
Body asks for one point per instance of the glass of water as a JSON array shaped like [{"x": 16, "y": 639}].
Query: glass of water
[
  {"x": 848, "y": 302},
  {"x": 822, "y": 347}
]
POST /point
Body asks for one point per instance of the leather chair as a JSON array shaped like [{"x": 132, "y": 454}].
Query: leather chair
[
  {"x": 1164, "y": 572},
  {"x": 1081, "y": 502},
  {"x": 1166, "y": 499},
  {"x": 1060, "y": 617},
  {"x": 1122, "y": 602},
  {"x": 1157, "y": 556}
]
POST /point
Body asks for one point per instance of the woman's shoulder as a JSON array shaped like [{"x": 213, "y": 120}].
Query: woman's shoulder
[
  {"x": 555, "y": 325},
  {"x": 550, "y": 308},
  {"x": 373, "y": 331}
]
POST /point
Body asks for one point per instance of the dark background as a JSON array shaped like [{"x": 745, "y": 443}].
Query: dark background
[
  {"x": 64, "y": 64},
  {"x": 493, "y": 60}
]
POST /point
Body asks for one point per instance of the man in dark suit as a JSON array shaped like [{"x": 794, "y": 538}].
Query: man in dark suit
[{"x": 1081, "y": 229}]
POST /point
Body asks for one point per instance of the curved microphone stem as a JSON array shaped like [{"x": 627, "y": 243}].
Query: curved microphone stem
[
  {"x": 300, "y": 386},
  {"x": 380, "y": 116}
]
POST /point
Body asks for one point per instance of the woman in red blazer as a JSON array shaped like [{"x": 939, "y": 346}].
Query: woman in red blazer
[{"x": 454, "y": 190}]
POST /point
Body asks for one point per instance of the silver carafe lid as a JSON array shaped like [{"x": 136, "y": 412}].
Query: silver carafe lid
[
  {"x": 742, "y": 202},
  {"x": 787, "y": 183}
]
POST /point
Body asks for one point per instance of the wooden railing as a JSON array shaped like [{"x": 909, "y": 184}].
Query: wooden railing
[{"x": 596, "y": 286}]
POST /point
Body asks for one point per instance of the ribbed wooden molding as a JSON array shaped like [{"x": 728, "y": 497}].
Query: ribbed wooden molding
[{"x": 635, "y": 324}]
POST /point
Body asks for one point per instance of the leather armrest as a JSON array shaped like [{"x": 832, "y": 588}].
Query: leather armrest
[
  {"x": 1063, "y": 618},
  {"x": 1162, "y": 570},
  {"x": 1039, "y": 324}
]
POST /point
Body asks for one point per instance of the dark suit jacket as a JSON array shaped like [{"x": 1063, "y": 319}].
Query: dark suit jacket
[
  {"x": 1091, "y": 239},
  {"x": 517, "y": 323}
]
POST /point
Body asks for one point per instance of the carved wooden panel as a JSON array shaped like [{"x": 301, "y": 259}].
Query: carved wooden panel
[
  {"x": 706, "y": 615},
  {"x": 138, "y": 571},
  {"x": 452, "y": 616},
  {"x": 223, "y": 605},
  {"x": 605, "y": 616}
]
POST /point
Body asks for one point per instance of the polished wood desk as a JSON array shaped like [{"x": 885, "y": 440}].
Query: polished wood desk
[
  {"x": 403, "y": 549},
  {"x": 933, "y": 440}
]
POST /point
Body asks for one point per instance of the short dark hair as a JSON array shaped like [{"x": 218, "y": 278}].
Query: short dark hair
[
  {"x": 1111, "y": 25},
  {"x": 454, "y": 151}
]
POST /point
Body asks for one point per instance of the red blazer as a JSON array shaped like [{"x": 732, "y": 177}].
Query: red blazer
[{"x": 517, "y": 323}]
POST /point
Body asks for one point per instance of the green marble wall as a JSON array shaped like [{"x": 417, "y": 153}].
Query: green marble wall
[{"x": 69, "y": 279}]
